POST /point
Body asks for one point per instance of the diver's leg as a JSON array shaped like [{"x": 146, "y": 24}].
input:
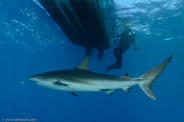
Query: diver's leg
[
  {"x": 100, "y": 54},
  {"x": 116, "y": 52},
  {"x": 119, "y": 60},
  {"x": 118, "y": 56},
  {"x": 118, "y": 63},
  {"x": 88, "y": 51}
]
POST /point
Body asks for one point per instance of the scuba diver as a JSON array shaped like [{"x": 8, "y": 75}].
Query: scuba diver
[{"x": 127, "y": 37}]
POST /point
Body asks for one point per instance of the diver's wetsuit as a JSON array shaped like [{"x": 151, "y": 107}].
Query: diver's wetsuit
[{"x": 127, "y": 38}]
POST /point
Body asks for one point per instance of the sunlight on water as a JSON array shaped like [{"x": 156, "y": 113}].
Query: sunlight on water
[
  {"x": 30, "y": 25},
  {"x": 144, "y": 15}
]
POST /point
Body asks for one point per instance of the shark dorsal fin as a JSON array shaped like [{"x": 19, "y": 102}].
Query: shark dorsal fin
[
  {"x": 126, "y": 74},
  {"x": 83, "y": 64}
]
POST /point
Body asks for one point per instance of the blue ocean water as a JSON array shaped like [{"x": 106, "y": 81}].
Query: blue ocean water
[{"x": 31, "y": 43}]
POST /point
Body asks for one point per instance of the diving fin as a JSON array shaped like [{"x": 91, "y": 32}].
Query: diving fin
[{"x": 74, "y": 94}]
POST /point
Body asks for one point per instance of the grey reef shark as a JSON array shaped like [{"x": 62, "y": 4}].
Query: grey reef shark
[{"x": 81, "y": 79}]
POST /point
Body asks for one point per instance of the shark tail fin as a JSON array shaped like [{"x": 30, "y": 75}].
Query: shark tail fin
[{"x": 150, "y": 76}]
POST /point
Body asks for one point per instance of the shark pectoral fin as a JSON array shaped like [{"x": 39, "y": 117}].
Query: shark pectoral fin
[
  {"x": 60, "y": 84},
  {"x": 83, "y": 64},
  {"x": 73, "y": 93},
  {"x": 126, "y": 89},
  {"x": 107, "y": 91}
]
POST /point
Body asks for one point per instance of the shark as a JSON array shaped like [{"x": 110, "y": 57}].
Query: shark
[{"x": 81, "y": 79}]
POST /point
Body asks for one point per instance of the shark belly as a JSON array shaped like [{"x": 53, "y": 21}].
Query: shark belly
[{"x": 98, "y": 85}]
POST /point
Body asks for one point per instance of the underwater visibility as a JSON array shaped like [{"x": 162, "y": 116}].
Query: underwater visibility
[{"x": 92, "y": 60}]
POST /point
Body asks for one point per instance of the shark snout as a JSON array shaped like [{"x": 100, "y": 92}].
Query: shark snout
[{"x": 33, "y": 78}]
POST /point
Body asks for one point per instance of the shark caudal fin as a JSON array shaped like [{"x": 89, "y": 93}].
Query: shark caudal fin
[{"x": 150, "y": 76}]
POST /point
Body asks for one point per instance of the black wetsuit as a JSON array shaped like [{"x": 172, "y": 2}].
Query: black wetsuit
[{"x": 127, "y": 38}]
